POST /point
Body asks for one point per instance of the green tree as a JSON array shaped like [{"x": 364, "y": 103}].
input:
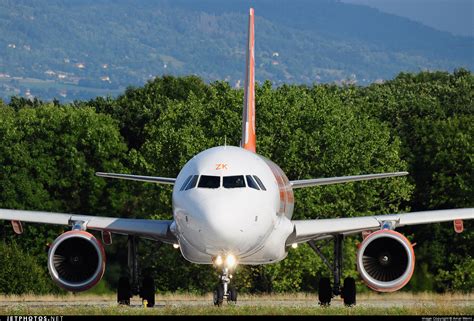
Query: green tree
[
  {"x": 432, "y": 114},
  {"x": 20, "y": 273},
  {"x": 48, "y": 159}
]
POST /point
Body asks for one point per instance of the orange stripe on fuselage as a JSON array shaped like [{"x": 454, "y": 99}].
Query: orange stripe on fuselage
[{"x": 249, "y": 138}]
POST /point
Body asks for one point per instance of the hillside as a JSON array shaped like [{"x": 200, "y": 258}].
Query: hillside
[{"x": 84, "y": 48}]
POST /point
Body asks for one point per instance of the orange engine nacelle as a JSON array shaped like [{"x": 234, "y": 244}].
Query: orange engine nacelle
[
  {"x": 76, "y": 261},
  {"x": 385, "y": 260}
]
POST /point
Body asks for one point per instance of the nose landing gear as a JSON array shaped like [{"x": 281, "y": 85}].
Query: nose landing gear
[{"x": 224, "y": 290}]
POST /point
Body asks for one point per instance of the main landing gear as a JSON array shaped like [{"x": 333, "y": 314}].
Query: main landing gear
[
  {"x": 224, "y": 290},
  {"x": 325, "y": 291},
  {"x": 129, "y": 286}
]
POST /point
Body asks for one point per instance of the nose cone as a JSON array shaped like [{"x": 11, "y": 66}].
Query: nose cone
[
  {"x": 231, "y": 226},
  {"x": 225, "y": 227},
  {"x": 228, "y": 229}
]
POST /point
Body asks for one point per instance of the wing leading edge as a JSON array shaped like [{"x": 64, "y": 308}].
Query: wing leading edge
[
  {"x": 305, "y": 230},
  {"x": 294, "y": 184},
  {"x": 152, "y": 229},
  {"x": 342, "y": 179},
  {"x": 141, "y": 178}
]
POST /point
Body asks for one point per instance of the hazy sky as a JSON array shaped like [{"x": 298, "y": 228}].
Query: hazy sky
[{"x": 455, "y": 16}]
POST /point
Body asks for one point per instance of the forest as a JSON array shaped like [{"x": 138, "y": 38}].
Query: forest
[{"x": 419, "y": 122}]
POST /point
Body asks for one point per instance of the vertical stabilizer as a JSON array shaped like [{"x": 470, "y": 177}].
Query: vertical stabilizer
[{"x": 249, "y": 138}]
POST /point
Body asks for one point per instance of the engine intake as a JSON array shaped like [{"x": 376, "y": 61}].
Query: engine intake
[
  {"x": 76, "y": 261},
  {"x": 385, "y": 261}
]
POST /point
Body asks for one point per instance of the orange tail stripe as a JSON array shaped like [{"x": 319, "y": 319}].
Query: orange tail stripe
[{"x": 249, "y": 139}]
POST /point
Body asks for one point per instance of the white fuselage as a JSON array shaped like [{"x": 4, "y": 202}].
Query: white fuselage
[{"x": 225, "y": 210}]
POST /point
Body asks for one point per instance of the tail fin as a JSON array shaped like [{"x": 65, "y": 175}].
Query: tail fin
[{"x": 249, "y": 138}]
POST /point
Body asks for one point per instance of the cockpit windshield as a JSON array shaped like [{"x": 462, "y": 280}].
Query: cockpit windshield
[
  {"x": 260, "y": 183},
  {"x": 233, "y": 181},
  {"x": 186, "y": 182},
  {"x": 209, "y": 181},
  {"x": 192, "y": 182},
  {"x": 251, "y": 182}
]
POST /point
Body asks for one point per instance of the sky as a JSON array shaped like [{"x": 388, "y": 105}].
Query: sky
[{"x": 455, "y": 16}]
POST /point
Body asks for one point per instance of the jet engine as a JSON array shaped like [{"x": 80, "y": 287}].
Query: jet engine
[
  {"x": 76, "y": 261},
  {"x": 385, "y": 260}
]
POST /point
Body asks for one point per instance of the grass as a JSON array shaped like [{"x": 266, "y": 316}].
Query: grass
[{"x": 276, "y": 304}]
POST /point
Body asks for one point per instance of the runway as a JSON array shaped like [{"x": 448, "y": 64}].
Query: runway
[{"x": 385, "y": 301}]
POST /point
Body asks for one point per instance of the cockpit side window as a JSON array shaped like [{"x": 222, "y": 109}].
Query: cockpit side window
[
  {"x": 260, "y": 183},
  {"x": 251, "y": 182},
  {"x": 233, "y": 181},
  {"x": 192, "y": 182},
  {"x": 186, "y": 182},
  {"x": 209, "y": 181}
]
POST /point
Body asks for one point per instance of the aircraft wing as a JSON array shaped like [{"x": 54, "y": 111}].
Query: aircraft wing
[
  {"x": 151, "y": 229},
  {"x": 141, "y": 178},
  {"x": 305, "y": 230},
  {"x": 342, "y": 179}
]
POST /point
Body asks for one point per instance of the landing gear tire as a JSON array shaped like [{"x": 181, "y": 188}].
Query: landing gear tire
[
  {"x": 232, "y": 296},
  {"x": 147, "y": 291},
  {"x": 324, "y": 292},
  {"x": 219, "y": 295},
  {"x": 124, "y": 291},
  {"x": 349, "y": 292}
]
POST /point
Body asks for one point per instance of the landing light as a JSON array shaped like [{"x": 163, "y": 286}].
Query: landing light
[
  {"x": 230, "y": 261},
  {"x": 218, "y": 261},
  {"x": 294, "y": 245},
  {"x": 176, "y": 246}
]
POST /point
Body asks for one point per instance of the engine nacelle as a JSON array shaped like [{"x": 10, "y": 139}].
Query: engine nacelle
[
  {"x": 386, "y": 260},
  {"x": 76, "y": 261}
]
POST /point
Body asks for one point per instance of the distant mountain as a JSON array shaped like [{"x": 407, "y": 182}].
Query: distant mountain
[
  {"x": 72, "y": 49},
  {"x": 455, "y": 16}
]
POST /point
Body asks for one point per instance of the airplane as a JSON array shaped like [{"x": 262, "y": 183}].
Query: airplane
[{"x": 233, "y": 206}]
